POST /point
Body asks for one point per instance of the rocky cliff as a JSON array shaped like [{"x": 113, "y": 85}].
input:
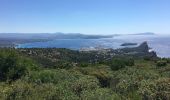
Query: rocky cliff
[{"x": 142, "y": 50}]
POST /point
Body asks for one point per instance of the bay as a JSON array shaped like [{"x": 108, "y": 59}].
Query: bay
[{"x": 159, "y": 43}]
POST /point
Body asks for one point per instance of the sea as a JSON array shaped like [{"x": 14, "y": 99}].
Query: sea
[{"x": 159, "y": 43}]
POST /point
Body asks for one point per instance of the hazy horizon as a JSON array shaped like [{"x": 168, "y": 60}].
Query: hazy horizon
[
  {"x": 84, "y": 33},
  {"x": 102, "y": 17}
]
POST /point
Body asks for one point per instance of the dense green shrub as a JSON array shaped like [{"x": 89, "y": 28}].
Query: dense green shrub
[
  {"x": 84, "y": 83},
  {"x": 11, "y": 66},
  {"x": 129, "y": 79},
  {"x": 76, "y": 83},
  {"x": 21, "y": 90},
  {"x": 104, "y": 76},
  {"x": 118, "y": 63},
  {"x": 63, "y": 65},
  {"x": 71, "y": 78},
  {"x": 147, "y": 58},
  {"x": 102, "y": 72},
  {"x": 49, "y": 76},
  {"x": 161, "y": 63},
  {"x": 155, "y": 89},
  {"x": 83, "y": 64},
  {"x": 100, "y": 94},
  {"x": 129, "y": 61},
  {"x": 166, "y": 59},
  {"x": 166, "y": 73}
]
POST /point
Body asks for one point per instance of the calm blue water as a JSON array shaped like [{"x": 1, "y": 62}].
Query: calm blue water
[{"x": 159, "y": 43}]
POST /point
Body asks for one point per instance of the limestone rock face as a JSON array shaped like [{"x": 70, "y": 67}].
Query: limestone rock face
[
  {"x": 141, "y": 51},
  {"x": 143, "y": 47}
]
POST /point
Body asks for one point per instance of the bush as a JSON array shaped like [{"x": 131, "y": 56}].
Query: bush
[
  {"x": 104, "y": 76},
  {"x": 102, "y": 72},
  {"x": 49, "y": 76},
  {"x": 100, "y": 94},
  {"x": 129, "y": 79},
  {"x": 155, "y": 89},
  {"x": 161, "y": 63},
  {"x": 83, "y": 64},
  {"x": 147, "y": 58},
  {"x": 166, "y": 59},
  {"x": 63, "y": 65},
  {"x": 21, "y": 90},
  {"x": 11, "y": 66},
  {"x": 118, "y": 63},
  {"x": 84, "y": 83}
]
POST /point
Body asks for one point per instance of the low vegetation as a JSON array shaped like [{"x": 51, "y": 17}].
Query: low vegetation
[{"x": 32, "y": 76}]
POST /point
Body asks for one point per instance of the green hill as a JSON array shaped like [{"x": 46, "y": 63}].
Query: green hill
[{"x": 63, "y": 74}]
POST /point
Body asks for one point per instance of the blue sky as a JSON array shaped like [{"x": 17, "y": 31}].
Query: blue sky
[{"x": 85, "y": 16}]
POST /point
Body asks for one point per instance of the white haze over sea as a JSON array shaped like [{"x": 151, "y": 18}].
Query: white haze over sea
[{"x": 159, "y": 43}]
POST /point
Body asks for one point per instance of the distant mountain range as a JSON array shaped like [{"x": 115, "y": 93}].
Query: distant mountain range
[
  {"x": 146, "y": 33},
  {"x": 12, "y": 39},
  {"x": 51, "y": 36},
  {"x": 60, "y": 35}
]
